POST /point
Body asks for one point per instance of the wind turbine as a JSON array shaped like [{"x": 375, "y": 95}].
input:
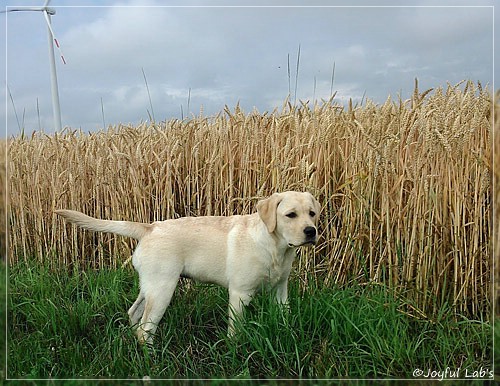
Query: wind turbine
[{"x": 47, "y": 13}]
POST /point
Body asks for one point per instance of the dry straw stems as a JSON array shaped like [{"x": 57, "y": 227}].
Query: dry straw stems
[
  {"x": 496, "y": 201},
  {"x": 405, "y": 188},
  {"x": 3, "y": 199}
]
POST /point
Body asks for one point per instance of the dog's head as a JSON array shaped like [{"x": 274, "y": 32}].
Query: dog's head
[{"x": 292, "y": 216}]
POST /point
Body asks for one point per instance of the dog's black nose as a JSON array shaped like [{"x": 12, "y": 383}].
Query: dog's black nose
[{"x": 310, "y": 232}]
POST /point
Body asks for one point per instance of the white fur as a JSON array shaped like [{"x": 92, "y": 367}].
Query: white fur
[{"x": 241, "y": 253}]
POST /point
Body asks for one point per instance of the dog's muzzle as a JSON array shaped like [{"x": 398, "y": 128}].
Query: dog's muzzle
[
  {"x": 310, "y": 237},
  {"x": 310, "y": 233}
]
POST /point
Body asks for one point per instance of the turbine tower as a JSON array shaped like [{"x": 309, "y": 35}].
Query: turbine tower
[{"x": 47, "y": 13}]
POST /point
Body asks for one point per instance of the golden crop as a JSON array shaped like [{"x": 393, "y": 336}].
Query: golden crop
[{"x": 405, "y": 188}]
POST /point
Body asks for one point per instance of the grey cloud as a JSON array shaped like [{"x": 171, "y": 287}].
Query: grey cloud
[{"x": 226, "y": 55}]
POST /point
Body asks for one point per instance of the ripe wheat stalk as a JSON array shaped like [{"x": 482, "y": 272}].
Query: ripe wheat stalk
[{"x": 405, "y": 188}]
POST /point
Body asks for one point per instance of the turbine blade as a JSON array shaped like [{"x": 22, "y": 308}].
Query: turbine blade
[
  {"x": 24, "y": 9},
  {"x": 46, "y": 3},
  {"x": 49, "y": 25}
]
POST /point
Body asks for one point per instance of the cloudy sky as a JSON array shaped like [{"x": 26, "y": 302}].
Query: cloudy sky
[{"x": 201, "y": 58}]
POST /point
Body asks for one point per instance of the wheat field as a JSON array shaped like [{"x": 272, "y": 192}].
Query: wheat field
[{"x": 404, "y": 187}]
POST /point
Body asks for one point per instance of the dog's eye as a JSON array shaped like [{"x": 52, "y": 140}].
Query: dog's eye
[
  {"x": 291, "y": 215},
  {"x": 312, "y": 214}
]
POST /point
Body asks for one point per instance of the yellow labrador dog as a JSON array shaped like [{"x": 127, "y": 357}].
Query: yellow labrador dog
[{"x": 241, "y": 253}]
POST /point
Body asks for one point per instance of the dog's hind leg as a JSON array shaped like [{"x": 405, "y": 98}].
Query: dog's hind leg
[
  {"x": 135, "y": 312},
  {"x": 156, "y": 301}
]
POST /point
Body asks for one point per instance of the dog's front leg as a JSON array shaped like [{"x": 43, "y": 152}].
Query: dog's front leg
[
  {"x": 237, "y": 300},
  {"x": 282, "y": 292}
]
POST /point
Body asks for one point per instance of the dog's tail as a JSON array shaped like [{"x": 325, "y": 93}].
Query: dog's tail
[{"x": 125, "y": 228}]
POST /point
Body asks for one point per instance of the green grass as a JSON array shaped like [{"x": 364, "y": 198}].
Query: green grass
[{"x": 74, "y": 325}]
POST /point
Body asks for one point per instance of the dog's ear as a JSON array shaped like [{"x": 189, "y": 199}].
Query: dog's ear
[
  {"x": 317, "y": 206},
  {"x": 267, "y": 211}
]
